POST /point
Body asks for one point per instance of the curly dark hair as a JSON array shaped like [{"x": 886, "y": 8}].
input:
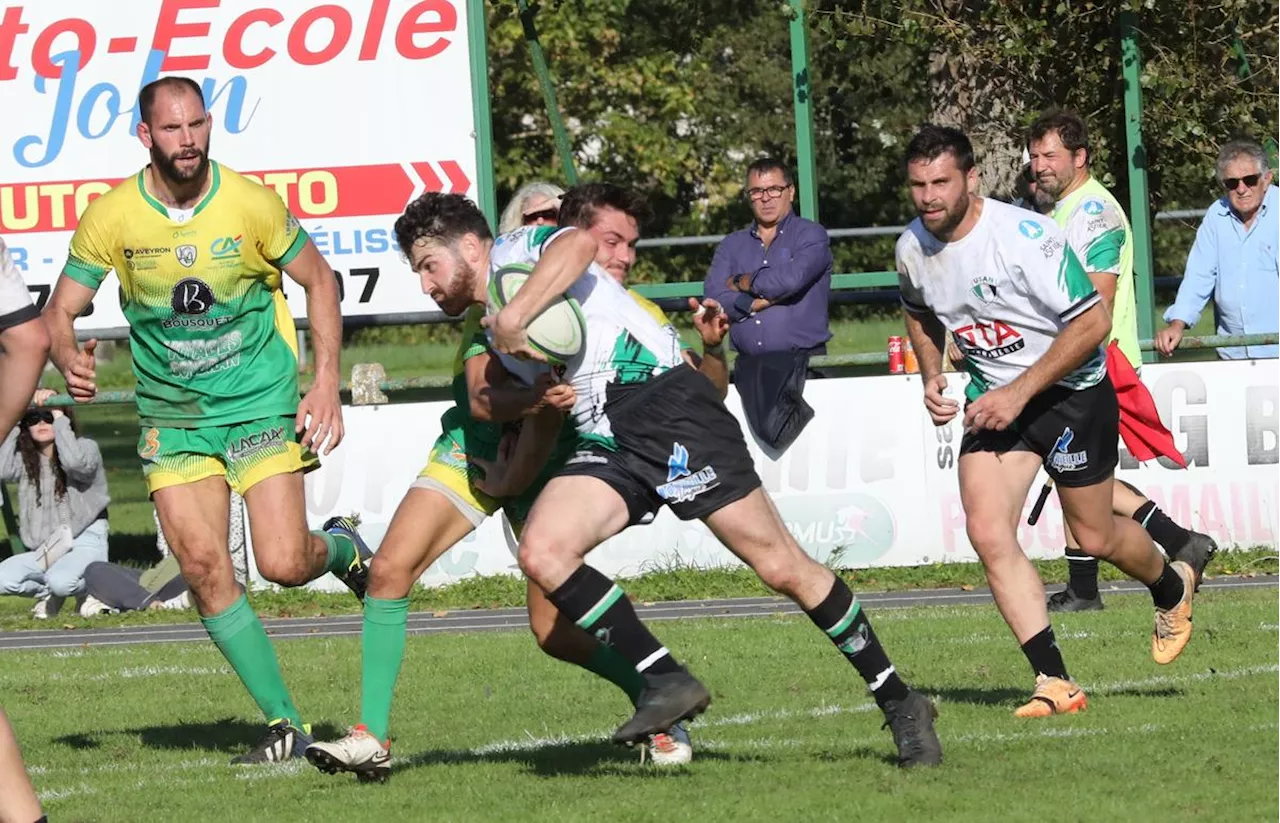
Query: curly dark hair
[
  {"x": 1069, "y": 127},
  {"x": 441, "y": 218},
  {"x": 580, "y": 204},
  {"x": 931, "y": 142},
  {"x": 31, "y": 457}
]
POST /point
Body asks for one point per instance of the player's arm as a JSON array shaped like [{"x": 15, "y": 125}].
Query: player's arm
[
  {"x": 1071, "y": 293},
  {"x": 928, "y": 340},
  {"x": 319, "y": 417},
  {"x": 563, "y": 261},
  {"x": 71, "y": 296},
  {"x": 495, "y": 396},
  {"x": 517, "y": 468},
  {"x": 313, "y": 273},
  {"x": 712, "y": 324}
]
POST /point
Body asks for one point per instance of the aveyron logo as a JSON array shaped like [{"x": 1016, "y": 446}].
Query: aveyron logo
[{"x": 186, "y": 255}]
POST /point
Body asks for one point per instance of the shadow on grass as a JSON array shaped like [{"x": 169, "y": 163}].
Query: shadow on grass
[
  {"x": 557, "y": 759},
  {"x": 226, "y": 735},
  {"x": 997, "y": 696}
]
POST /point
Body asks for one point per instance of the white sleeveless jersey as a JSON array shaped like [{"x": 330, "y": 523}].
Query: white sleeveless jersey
[
  {"x": 624, "y": 344},
  {"x": 1004, "y": 292}
]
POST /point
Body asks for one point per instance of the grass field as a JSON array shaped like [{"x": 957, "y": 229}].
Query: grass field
[{"x": 487, "y": 729}]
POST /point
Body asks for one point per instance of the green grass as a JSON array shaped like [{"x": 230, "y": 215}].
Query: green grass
[{"x": 485, "y": 728}]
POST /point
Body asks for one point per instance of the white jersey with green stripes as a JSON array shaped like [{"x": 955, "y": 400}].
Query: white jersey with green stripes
[
  {"x": 1098, "y": 232},
  {"x": 625, "y": 345},
  {"x": 1004, "y": 292}
]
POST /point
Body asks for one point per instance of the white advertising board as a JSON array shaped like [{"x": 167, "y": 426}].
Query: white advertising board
[
  {"x": 347, "y": 110},
  {"x": 870, "y": 479}
]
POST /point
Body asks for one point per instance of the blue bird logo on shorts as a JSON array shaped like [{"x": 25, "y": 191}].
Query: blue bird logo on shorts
[
  {"x": 1064, "y": 440},
  {"x": 678, "y": 463}
]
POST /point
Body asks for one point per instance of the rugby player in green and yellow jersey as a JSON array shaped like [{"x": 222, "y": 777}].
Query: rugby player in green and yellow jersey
[
  {"x": 465, "y": 481},
  {"x": 199, "y": 252}
]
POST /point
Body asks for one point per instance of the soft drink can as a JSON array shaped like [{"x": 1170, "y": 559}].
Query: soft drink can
[
  {"x": 909, "y": 359},
  {"x": 896, "y": 362}
]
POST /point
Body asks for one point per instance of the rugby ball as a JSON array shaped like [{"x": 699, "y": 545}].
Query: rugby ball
[{"x": 559, "y": 332}]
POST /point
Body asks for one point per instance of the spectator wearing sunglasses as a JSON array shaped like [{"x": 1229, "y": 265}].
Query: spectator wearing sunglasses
[
  {"x": 1235, "y": 258},
  {"x": 62, "y": 506},
  {"x": 533, "y": 204}
]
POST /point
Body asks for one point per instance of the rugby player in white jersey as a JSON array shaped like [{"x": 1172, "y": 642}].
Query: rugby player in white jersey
[
  {"x": 1011, "y": 294},
  {"x": 653, "y": 432},
  {"x": 24, "y": 348},
  {"x": 1099, "y": 234}
]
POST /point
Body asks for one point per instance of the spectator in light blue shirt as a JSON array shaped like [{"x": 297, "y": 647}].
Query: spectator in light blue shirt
[{"x": 1235, "y": 259}]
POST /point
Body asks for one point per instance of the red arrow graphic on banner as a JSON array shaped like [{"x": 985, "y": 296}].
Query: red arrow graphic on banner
[
  {"x": 457, "y": 178},
  {"x": 430, "y": 179}
]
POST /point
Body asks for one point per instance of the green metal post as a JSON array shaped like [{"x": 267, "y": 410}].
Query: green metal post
[
  {"x": 548, "y": 92},
  {"x": 1139, "y": 201},
  {"x": 477, "y": 45},
  {"x": 803, "y": 103}
]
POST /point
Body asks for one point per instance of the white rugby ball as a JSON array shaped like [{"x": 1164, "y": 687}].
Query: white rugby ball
[{"x": 559, "y": 332}]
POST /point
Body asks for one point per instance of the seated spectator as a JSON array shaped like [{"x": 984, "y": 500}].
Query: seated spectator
[
  {"x": 110, "y": 588},
  {"x": 62, "y": 506},
  {"x": 533, "y": 204}
]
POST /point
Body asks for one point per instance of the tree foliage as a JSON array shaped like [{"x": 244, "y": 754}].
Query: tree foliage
[{"x": 677, "y": 97}]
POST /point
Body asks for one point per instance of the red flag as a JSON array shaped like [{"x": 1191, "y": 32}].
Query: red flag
[{"x": 1143, "y": 434}]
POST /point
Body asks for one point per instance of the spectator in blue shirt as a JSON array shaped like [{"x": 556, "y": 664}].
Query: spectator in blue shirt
[
  {"x": 1235, "y": 258},
  {"x": 773, "y": 279}
]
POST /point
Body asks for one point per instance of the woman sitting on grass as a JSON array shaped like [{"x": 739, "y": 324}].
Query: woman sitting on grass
[{"x": 62, "y": 506}]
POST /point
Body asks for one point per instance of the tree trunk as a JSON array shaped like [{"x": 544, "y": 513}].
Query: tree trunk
[{"x": 981, "y": 100}]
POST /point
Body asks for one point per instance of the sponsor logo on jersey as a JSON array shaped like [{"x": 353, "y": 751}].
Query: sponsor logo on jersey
[
  {"x": 682, "y": 484},
  {"x": 144, "y": 259},
  {"x": 1095, "y": 224},
  {"x": 990, "y": 341},
  {"x": 1051, "y": 247},
  {"x": 191, "y": 295},
  {"x": 984, "y": 288},
  {"x": 1030, "y": 229},
  {"x": 225, "y": 247},
  {"x": 251, "y": 444},
  {"x": 1064, "y": 460},
  {"x": 1093, "y": 206},
  {"x": 186, "y": 255}
]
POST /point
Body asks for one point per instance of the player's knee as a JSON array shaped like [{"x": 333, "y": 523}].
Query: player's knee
[
  {"x": 1094, "y": 542},
  {"x": 534, "y": 554},
  {"x": 990, "y": 538},
  {"x": 202, "y": 565},
  {"x": 782, "y": 573},
  {"x": 389, "y": 574},
  {"x": 285, "y": 570}
]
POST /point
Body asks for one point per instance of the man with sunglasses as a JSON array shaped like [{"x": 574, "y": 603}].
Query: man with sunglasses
[
  {"x": 1234, "y": 259},
  {"x": 774, "y": 280},
  {"x": 1063, "y": 187}
]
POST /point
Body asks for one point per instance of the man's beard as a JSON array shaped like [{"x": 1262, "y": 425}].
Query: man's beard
[
  {"x": 461, "y": 292},
  {"x": 169, "y": 169},
  {"x": 952, "y": 219}
]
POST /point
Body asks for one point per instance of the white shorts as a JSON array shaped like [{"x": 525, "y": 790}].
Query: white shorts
[{"x": 16, "y": 307}]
